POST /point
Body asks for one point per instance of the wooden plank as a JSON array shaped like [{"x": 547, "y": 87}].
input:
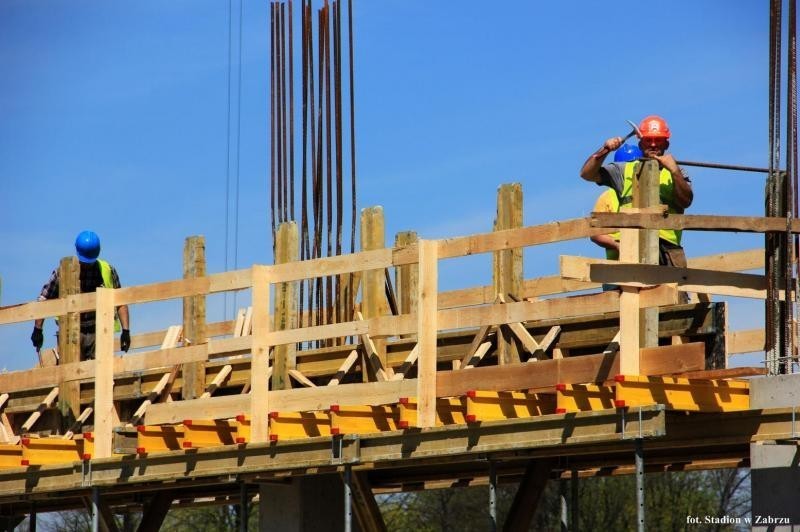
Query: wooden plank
[
  {"x": 372, "y": 357},
  {"x": 529, "y": 491},
  {"x": 507, "y": 270},
  {"x": 528, "y": 342},
  {"x": 104, "y": 410},
  {"x": 732, "y": 261},
  {"x": 476, "y": 343},
  {"x": 344, "y": 368},
  {"x": 78, "y": 423},
  {"x": 302, "y": 379},
  {"x": 746, "y": 224},
  {"x": 239, "y": 323},
  {"x": 373, "y": 288},
  {"x": 406, "y": 277},
  {"x": 217, "y": 381},
  {"x": 478, "y": 355},
  {"x": 410, "y": 360},
  {"x": 366, "y": 508},
  {"x": 730, "y": 373},
  {"x": 44, "y": 405},
  {"x": 259, "y": 398},
  {"x": 546, "y": 342},
  {"x": 427, "y": 331},
  {"x": 687, "y": 279},
  {"x": 285, "y": 316},
  {"x": 749, "y": 341},
  {"x": 194, "y": 316},
  {"x": 69, "y": 338}
]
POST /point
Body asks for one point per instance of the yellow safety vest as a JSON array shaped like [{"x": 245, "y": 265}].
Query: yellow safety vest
[
  {"x": 608, "y": 201},
  {"x": 666, "y": 192},
  {"x": 105, "y": 272}
]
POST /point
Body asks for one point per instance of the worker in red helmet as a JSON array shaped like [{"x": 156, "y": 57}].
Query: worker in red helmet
[
  {"x": 675, "y": 187},
  {"x": 94, "y": 273}
]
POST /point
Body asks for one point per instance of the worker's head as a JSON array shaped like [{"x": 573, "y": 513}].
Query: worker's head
[
  {"x": 626, "y": 153},
  {"x": 655, "y": 135},
  {"x": 87, "y": 246}
]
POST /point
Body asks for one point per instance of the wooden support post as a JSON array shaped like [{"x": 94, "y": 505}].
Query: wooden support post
[
  {"x": 259, "y": 365},
  {"x": 507, "y": 265},
  {"x": 366, "y": 508},
  {"x": 427, "y": 325},
  {"x": 69, "y": 340},
  {"x": 104, "y": 413},
  {"x": 155, "y": 511},
  {"x": 194, "y": 317},
  {"x": 373, "y": 300},
  {"x": 286, "y": 250},
  {"x": 529, "y": 491},
  {"x": 647, "y": 195},
  {"x": 406, "y": 278}
]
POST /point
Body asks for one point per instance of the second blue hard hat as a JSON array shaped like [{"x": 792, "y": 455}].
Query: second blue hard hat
[
  {"x": 626, "y": 153},
  {"x": 87, "y": 246}
]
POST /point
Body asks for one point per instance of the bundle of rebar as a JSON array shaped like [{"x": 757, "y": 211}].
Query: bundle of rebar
[
  {"x": 322, "y": 161},
  {"x": 781, "y": 201}
]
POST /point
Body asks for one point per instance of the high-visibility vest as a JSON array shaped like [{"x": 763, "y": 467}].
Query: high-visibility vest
[
  {"x": 666, "y": 193},
  {"x": 105, "y": 273},
  {"x": 608, "y": 201}
]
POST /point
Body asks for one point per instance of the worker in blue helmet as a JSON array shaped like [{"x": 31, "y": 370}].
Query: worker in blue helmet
[
  {"x": 94, "y": 273},
  {"x": 627, "y": 153}
]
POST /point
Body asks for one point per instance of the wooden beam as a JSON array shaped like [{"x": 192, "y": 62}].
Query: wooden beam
[
  {"x": 78, "y": 423},
  {"x": 476, "y": 343},
  {"x": 749, "y": 341},
  {"x": 372, "y": 357},
  {"x": 285, "y": 316},
  {"x": 410, "y": 360},
  {"x": 44, "y": 405},
  {"x": 366, "y": 508},
  {"x": 217, "y": 382},
  {"x": 427, "y": 332},
  {"x": 547, "y": 342},
  {"x": 302, "y": 379},
  {"x": 406, "y": 277},
  {"x": 194, "y": 316},
  {"x": 104, "y": 410},
  {"x": 155, "y": 511},
  {"x": 373, "y": 292},
  {"x": 478, "y": 355},
  {"x": 344, "y": 368},
  {"x": 507, "y": 271},
  {"x": 746, "y": 224},
  {"x": 530, "y": 490},
  {"x": 69, "y": 339},
  {"x": 528, "y": 342},
  {"x": 259, "y": 365}
]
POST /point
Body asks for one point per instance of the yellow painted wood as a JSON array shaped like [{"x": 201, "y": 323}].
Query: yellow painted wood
[
  {"x": 298, "y": 425},
  {"x": 208, "y": 433},
  {"x": 449, "y": 411},
  {"x": 488, "y": 406},
  {"x": 155, "y": 438},
  {"x": 363, "y": 419},
  {"x": 583, "y": 397},
  {"x": 678, "y": 393},
  {"x": 43, "y": 451},
  {"x": 10, "y": 455}
]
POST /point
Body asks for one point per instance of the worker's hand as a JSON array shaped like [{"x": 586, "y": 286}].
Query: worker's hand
[
  {"x": 125, "y": 340},
  {"x": 613, "y": 143},
  {"x": 667, "y": 161},
  {"x": 37, "y": 337}
]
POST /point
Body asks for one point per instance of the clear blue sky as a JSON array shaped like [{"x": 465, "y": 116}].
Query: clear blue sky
[{"x": 113, "y": 117}]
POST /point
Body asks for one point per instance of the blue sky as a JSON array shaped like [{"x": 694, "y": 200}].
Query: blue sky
[{"x": 114, "y": 117}]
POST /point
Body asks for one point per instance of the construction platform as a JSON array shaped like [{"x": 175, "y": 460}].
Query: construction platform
[{"x": 518, "y": 373}]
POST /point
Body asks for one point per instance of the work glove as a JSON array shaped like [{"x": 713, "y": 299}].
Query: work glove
[
  {"x": 37, "y": 337},
  {"x": 125, "y": 340}
]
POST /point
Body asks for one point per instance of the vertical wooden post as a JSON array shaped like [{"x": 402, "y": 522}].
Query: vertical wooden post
[
  {"x": 373, "y": 301},
  {"x": 647, "y": 195},
  {"x": 427, "y": 325},
  {"x": 285, "y": 317},
  {"x": 194, "y": 317},
  {"x": 259, "y": 365},
  {"x": 406, "y": 277},
  {"x": 69, "y": 340},
  {"x": 507, "y": 270},
  {"x": 638, "y": 327},
  {"x": 104, "y": 413}
]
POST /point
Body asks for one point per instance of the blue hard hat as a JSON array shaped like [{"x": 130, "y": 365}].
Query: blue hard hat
[
  {"x": 87, "y": 246},
  {"x": 626, "y": 153}
]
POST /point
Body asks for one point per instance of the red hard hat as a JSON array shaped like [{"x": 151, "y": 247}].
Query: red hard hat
[{"x": 654, "y": 127}]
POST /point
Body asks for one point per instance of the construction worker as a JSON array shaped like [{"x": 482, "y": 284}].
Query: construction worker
[
  {"x": 93, "y": 274},
  {"x": 675, "y": 187},
  {"x": 608, "y": 201}
]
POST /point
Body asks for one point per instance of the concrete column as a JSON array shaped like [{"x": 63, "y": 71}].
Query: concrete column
[
  {"x": 304, "y": 504},
  {"x": 775, "y": 486}
]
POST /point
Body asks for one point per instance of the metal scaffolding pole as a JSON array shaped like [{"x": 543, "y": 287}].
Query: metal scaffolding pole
[
  {"x": 639, "y": 484},
  {"x": 492, "y": 496}
]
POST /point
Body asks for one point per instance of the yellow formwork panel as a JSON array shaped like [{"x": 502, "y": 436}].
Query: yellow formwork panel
[
  {"x": 242, "y": 429},
  {"x": 363, "y": 419},
  {"x": 208, "y": 433},
  {"x": 488, "y": 406},
  {"x": 583, "y": 397},
  {"x": 43, "y": 451},
  {"x": 449, "y": 411},
  {"x": 85, "y": 443},
  {"x": 155, "y": 438},
  {"x": 10, "y": 455},
  {"x": 298, "y": 425},
  {"x": 676, "y": 393}
]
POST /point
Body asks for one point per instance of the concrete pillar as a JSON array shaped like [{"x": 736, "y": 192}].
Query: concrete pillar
[
  {"x": 775, "y": 485},
  {"x": 303, "y": 504}
]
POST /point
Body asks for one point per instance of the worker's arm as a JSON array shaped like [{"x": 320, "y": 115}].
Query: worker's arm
[
  {"x": 683, "y": 194},
  {"x": 124, "y": 317},
  {"x": 591, "y": 168},
  {"x": 605, "y": 241}
]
